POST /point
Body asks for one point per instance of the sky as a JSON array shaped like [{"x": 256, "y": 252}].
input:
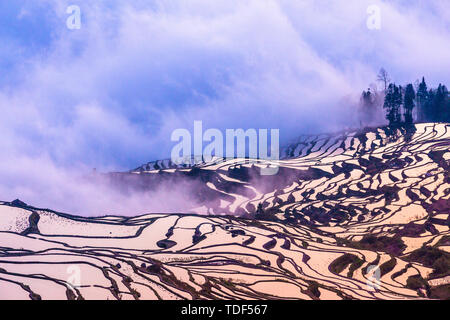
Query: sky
[{"x": 109, "y": 95}]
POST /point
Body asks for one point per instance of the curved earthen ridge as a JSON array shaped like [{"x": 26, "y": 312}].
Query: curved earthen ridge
[{"x": 362, "y": 215}]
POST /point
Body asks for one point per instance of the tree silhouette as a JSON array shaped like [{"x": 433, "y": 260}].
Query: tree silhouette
[
  {"x": 422, "y": 100},
  {"x": 392, "y": 104},
  {"x": 398, "y": 101},
  {"x": 410, "y": 96},
  {"x": 384, "y": 78},
  {"x": 439, "y": 104},
  {"x": 368, "y": 106},
  {"x": 433, "y": 105}
]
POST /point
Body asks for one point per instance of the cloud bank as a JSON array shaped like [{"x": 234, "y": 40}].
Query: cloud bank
[{"x": 109, "y": 95}]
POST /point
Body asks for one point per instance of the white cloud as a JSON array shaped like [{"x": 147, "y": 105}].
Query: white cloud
[{"x": 110, "y": 94}]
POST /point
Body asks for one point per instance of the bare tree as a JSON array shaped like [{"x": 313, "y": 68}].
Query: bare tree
[{"x": 383, "y": 77}]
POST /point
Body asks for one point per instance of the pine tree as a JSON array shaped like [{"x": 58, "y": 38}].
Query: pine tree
[
  {"x": 392, "y": 104},
  {"x": 410, "y": 96},
  {"x": 438, "y": 110},
  {"x": 398, "y": 101},
  {"x": 368, "y": 106},
  {"x": 430, "y": 106},
  {"x": 422, "y": 100},
  {"x": 446, "y": 116},
  {"x": 388, "y": 105}
]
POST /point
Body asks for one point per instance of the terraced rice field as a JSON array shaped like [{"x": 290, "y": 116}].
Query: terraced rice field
[{"x": 356, "y": 215}]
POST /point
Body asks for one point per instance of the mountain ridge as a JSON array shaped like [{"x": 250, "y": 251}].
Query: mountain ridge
[{"x": 349, "y": 217}]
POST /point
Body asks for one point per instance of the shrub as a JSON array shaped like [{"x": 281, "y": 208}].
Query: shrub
[
  {"x": 416, "y": 282},
  {"x": 388, "y": 266}
]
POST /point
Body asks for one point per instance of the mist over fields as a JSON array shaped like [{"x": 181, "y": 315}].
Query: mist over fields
[{"x": 109, "y": 95}]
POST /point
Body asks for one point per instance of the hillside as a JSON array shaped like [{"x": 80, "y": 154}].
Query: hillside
[{"x": 339, "y": 206}]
